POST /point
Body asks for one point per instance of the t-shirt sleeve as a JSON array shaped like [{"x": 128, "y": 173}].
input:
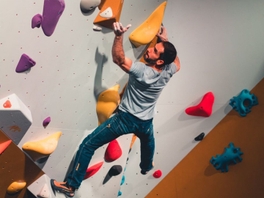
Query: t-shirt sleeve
[
  {"x": 173, "y": 67},
  {"x": 137, "y": 69}
]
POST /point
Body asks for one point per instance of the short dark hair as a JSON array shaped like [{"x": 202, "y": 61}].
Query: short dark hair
[{"x": 169, "y": 54}]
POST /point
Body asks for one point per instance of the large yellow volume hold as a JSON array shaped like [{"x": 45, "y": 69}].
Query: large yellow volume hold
[
  {"x": 45, "y": 146},
  {"x": 107, "y": 102},
  {"x": 16, "y": 187},
  {"x": 146, "y": 32}
]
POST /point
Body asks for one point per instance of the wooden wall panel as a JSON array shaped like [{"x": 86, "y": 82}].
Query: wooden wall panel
[{"x": 16, "y": 165}]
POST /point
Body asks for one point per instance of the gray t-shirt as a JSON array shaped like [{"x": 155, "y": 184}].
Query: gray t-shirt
[{"x": 143, "y": 89}]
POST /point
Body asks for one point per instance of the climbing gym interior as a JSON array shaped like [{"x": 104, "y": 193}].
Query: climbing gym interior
[{"x": 58, "y": 83}]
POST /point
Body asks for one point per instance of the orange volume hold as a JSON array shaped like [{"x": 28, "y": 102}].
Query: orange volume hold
[{"x": 110, "y": 12}]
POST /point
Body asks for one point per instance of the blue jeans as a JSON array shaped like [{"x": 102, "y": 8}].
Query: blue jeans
[{"x": 119, "y": 124}]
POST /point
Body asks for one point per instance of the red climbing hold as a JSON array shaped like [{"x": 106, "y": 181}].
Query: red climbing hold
[
  {"x": 92, "y": 170},
  {"x": 113, "y": 151},
  {"x": 204, "y": 108},
  {"x": 4, "y": 145},
  {"x": 157, "y": 174},
  {"x": 7, "y": 104}
]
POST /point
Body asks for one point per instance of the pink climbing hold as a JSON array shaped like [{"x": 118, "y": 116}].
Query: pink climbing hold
[
  {"x": 204, "y": 108},
  {"x": 92, "y": 170},
  {"x": 157, "y": 174},
  {"x": 36, "y": 21},
  {"x": 4, "y": 145},
  {"x": 25, "y": 63},
  {"x": 7, "y": 104},
  {"x": 46, "y": 122},
  {"x": 113, "y": 151},
  {"x": 52, "y": 11}
]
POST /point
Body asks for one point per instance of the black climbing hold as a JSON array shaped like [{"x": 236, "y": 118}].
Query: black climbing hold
[{"x": 199, "y": 137}]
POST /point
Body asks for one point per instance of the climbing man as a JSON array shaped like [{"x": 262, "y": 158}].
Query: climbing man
[{"x": 136, "y": 110}]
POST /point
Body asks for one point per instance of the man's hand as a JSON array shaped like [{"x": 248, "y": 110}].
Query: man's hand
[
  {"x": 119, "y": 29},
  {"x": 162, "y": 34}
]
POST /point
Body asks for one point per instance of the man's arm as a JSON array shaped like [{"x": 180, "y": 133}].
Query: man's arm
[
  {"x": 163, "y": 37},
  {"x": 118, "y": 53},
  {"x": 177, "y": 63}
]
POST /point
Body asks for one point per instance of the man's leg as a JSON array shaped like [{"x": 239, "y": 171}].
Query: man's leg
[
  {"x": 100, "y": 136},
  {"x": 106, "y": 132},
  {"x": 147, "y": 148}
]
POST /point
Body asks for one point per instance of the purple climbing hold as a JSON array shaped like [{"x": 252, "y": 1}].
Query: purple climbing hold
[
  {"x": 25, "y": 63},
  {"x": 46, "y": 122},
  {"x": 52, "y": 10},
  {"x": 36, "y": 21}
]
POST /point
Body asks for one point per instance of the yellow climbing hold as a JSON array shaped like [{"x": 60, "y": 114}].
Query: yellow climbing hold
[
  {"x": 45, "y": 146},
  {"x": 151, "y": 44},
  {"x": 146, "y": 32},
  {"x": 107, "y": 102},
  {"x": 16, "y": 187}
]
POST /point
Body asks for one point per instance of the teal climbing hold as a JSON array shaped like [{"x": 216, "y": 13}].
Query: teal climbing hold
[
  {"x": 123, "y": 180},
  {"x": 243, "y": 102},
  {"x": 231, "y": 154}
]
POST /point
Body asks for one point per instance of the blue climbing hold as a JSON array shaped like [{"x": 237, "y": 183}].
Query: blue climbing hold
[
  {"x": 231, "y": 154},
  {"x": 122, "y": 180},
  {"x": 243, "y": 102}
]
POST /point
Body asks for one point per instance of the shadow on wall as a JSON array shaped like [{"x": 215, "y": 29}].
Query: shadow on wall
[
  {"x": 183, "y": 117},
  {"x": 70, "y": 167},
  {"x": 100, "y": 59}
]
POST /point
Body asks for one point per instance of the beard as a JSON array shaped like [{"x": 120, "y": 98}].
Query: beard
[{"x": 147, "y": 59}]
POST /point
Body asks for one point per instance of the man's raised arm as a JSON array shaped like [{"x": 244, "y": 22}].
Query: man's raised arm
[
  {"x": 163, "y": 37},
  {"x": 118, "y": 53}
]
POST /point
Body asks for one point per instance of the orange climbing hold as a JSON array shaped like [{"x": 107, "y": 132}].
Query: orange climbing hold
[
  {"x": 204, "y": 108},
  {"x": 101, "y": 4},
  {"x": 4, "y": 145},
  {"x": 16, "y": 186},
  {"x": 92, "y": 170},
  {"x": 7, "y": 104},
  {"x": 134, "y": 138},
  {"x": 113, "y": 151},
  {"x": 110, "y": 12}
]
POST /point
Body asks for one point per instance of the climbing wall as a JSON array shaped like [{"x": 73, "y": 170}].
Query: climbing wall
[
  {"x": 220, "y": 46},
  {"x": 57, "y": 66},
  {"x": 202, "y": 179}
]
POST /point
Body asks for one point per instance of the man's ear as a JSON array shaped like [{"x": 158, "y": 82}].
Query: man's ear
[{"x": 159, "y": 62}]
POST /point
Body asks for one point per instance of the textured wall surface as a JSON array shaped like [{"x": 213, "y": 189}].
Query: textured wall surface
[{"x": 220, "y": 46}]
